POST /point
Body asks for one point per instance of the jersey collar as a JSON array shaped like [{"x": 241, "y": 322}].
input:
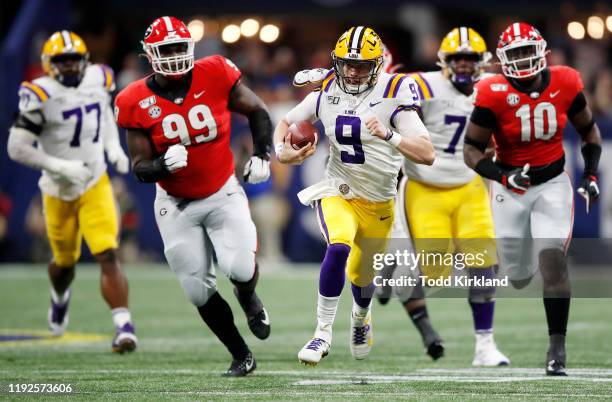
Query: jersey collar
[
  {"x": 521, "y": 88},
  {"x": 176, "y": 95}
]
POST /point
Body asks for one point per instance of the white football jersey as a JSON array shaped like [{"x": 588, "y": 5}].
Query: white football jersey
[
  {"x": 446, "y": 112},
  {"x": 360, "y": 165},
  {"x": 72, "y": 121}
]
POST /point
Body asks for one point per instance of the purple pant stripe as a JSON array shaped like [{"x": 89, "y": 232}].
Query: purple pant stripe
[{"x": 322, "y": 220}]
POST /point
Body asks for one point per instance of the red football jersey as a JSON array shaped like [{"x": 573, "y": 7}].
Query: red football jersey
[
  {"x": 200, "y": 121},
  {"x": 529, "y": 130}
]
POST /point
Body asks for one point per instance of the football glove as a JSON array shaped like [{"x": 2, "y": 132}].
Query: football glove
[
  {"x": 517, "y": 180},
  {"x": 175, "y": 157},
  {"x": 314, "y": 76},
  {"x": 589, "y": 190},
  {"x": 119, "y": 160},
  {"x": 71, "y": 172},
  {"x": 256, "y": 170}
]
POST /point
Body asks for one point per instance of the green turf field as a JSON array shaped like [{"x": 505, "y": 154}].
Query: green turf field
[{"x": 179, "y": 359}]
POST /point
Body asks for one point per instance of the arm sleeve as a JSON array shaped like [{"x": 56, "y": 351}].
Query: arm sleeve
[
  {"x": 109, "y": 130},
  {"x": 484, "y": 117},
  {"x": 305, "y": 110},
  {"x": 409, "y": 124},
  {"x": 21, "y": 149}
]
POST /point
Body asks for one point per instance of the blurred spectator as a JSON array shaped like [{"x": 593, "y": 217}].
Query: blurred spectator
[
  {"x": 129, "y": 218},
  {"x": 40, "y": 251},
  {"x": 131, "y": 71},
  {"x": 5, "y": 212}
]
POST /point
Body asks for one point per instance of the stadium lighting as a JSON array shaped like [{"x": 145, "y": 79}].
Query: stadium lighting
[
  {"x": 575, "y": 30},
  {"x": 196, "y": 29},
  {"x": 609, "y": 23},
  {"x": 595, "y": 27},
  {"x": 269, "y": 33},
  {"x": 231, "y": 33},
  {"x": 249, "y": 27}
]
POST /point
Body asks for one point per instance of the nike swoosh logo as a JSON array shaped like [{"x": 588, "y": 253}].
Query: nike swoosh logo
[
  {"x": 228, "y": 194},
  {"x": 553, "y": 94},
  {"x": 196, "y": 96},
  {"x": 266, "y": 321},
  {"x": 372, "y": 104},
  {"x": 382, "y": 218},
  {"x": 249, "y": 365}
]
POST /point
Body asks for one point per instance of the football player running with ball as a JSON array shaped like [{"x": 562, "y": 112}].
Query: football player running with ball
[
  {"x": 525, "y": 109},
  {"x": 68, "y": 114},
  {"x": 178, "y": 135},
  {"x": 370, "y": 120}
]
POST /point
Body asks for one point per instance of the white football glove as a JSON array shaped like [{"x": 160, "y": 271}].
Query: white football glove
[
  {"x": 256, "y": 170},
  {"x": 71, "y": 172},
  {"x": 313, "y": 76},
  {"x": 119, "y": 160},
  {"x": 175, "y": 157}
]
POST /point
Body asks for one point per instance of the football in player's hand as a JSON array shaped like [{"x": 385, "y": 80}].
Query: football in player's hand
[{"x": 302, "y": 133}]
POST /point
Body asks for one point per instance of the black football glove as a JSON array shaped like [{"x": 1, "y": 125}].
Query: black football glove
[
  {"x": 589, "y": 190},
  {"x": 517, "y": 180}
]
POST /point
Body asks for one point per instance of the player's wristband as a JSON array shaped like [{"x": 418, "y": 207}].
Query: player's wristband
[
  {"x": 278, "y": 148},
  {"x": 393, "y": 138},
  {"x": 591, "y": 153}
]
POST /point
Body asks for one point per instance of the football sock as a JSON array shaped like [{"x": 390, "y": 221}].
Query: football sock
[
  {"x": 217, "y": 314},
  {"x": 420, "y": 319},
  {"x": 556, "y": 347},
  {"x": 557, "y": 312},
  {"x": 483, "y": 316},
  {"x": 60, "y": 299},
  {"x": 326, "y": 313},
  {"x": 362, "y": 299},
  {"x": 331, "y": 278},
  {"x": 245, "y": 293},
  {"x": 121, "y": 316},
  {"x": 481, "y": 299}
]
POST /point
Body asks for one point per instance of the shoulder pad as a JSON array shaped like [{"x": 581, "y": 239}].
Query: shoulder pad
[
  {"x": 100, "y": 75},
  {"x": 423, "y": 86},
  {"x": 31, "y": 96}
]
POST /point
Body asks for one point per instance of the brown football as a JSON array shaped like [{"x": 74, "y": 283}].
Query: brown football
[{"x": 302, "y": 133}]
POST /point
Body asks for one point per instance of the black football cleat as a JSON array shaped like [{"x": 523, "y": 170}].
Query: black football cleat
[
  {"x": 242, "y": 367},
  {"x": 435, "y": 349},
  {"x": 555, "y": 357},
  {"x": 556, "y": 368},
  {"x": 259, "y": 324}
]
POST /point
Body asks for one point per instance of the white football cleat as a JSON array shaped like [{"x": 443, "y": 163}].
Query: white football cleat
[
  {"x": 314, "y": 351},
  {"x": 361, "y": 336},
  {"x": 487, "y": 354}
]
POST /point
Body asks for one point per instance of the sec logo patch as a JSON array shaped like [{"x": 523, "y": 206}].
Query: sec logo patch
[
  {"x": 512, "y": 99},
  {"x": 154, "y": 111}
]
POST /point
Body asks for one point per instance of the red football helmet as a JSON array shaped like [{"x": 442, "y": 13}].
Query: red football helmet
[
  {"x": 521, "y": 51},
  {"x": 169, "y": 46}
]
